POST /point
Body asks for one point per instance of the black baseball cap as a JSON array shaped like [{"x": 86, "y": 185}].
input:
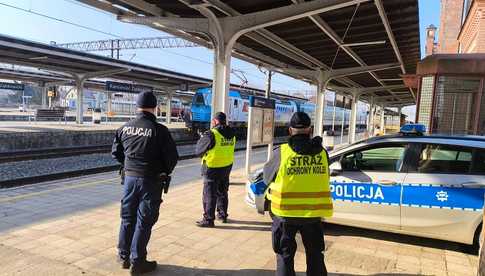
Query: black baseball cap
[
  {"x": 300, "y": 120},
  {"x": 146, "y": 100},
  {"x": 220, "y": 116}
]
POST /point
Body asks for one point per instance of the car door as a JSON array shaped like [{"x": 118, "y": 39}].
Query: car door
[
  {"x": 367, "y": 191},
  {"x": 443, "y": 192}
]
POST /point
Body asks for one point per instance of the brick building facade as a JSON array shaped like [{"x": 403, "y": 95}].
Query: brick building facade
[
  {"x": 450, "y": 25},
  {"x": 472, "y": 35}
]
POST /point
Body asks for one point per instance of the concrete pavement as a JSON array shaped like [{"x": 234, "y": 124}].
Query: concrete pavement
[{"x": 71, "y": 227}]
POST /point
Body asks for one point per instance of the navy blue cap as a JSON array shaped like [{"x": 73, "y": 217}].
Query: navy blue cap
[
  {"x": 220, "y": 116},
  {"x": 300, "y": 120},
  {"x": 146, "y": 100}
]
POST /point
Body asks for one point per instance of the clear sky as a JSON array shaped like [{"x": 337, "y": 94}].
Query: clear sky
[{"x": 94, "y": 24}]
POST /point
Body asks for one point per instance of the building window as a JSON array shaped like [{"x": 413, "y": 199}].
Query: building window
[
  {"x": 455, "y": 105},
  {"x": 425, "y": 101}
]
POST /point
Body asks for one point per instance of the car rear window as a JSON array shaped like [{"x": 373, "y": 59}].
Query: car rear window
[
  {"x": 478, "y": 166},
  {"x": 445, "y": 159}
]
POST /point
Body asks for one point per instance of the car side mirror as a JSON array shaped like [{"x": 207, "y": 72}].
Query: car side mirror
[{"x": 335, "y": 168}]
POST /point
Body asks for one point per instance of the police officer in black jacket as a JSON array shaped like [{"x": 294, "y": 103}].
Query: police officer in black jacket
[
  {"x": 148, "y": 153},
  {"x": 216, "y": 147}
]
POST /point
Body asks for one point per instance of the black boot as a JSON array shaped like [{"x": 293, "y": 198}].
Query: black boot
[
  {"x": 125, "y": 263},
  {"x": 143, "y": 267},
  {"x": 205, "y": 223},
  {"x": 222, "y": 219}
]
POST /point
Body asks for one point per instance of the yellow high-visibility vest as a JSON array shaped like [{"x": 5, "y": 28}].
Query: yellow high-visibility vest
[
  {"x": 301, "y": 188},
  {"x": 222, "y": 154}
]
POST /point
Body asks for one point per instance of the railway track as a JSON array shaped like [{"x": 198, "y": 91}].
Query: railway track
[
  {"x": 62, "y": 152},
  {"x": 100, "y": 169}
]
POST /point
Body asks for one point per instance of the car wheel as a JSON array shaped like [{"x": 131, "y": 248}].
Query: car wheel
[{"x": 478, "y": 240}]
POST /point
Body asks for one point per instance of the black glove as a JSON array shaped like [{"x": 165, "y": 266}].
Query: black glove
[
  {"x": 121, "y": 172},
  {"x": 165, "y": 181}
]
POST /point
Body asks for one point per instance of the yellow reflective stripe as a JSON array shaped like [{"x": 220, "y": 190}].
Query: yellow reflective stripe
[
  {"x": 302, "y": 206},
  {"x": 300, "y": 194}
]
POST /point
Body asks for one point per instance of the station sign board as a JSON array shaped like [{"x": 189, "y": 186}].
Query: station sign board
[
  {"x": 262, "y": 120},
  {"x": 12, "y": 86},
  {"x": 261, "y": 102},
  {"x": 127, "y": 87}
]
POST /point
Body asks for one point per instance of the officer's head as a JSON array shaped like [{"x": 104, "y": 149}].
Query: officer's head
[
  {"x": 219, "y": 119},
  {"x": 300, "y": 123},
  {"x": 146, "y": 101}
]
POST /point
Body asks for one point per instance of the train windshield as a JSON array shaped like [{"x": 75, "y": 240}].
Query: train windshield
[{"x": 199, "y": 99}]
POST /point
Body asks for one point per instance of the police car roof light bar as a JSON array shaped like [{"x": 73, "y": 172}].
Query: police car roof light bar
[{"x": 413, "y": 129}]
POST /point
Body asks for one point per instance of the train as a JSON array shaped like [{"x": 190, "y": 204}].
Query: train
[{"x": 336, "y": 112}]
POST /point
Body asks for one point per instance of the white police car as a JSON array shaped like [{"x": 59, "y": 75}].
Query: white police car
[{"x": 430, "y": 186}]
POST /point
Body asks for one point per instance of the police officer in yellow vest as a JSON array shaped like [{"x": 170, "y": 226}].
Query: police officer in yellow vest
[
  {"x": 300, "y": 197},
  {"x": 216, "y": 147}
]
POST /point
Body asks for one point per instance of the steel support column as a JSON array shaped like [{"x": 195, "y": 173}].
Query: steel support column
[
  {"x": 370, "y": 124},
  {"x": 322, "y": 81},
  {"x": 168, "y": 111},
  {"x": 268, "y": 95},
  {"x": 353, "y": 115},
  {"x": 43, "y": 92},
  {"x": 399, "y": 112},
  {"x": 383, "y": 121},
  {"x": 221, "y": 82},
  {"x": 109, "y": 96},
  {"x": 80, "y": 100}
]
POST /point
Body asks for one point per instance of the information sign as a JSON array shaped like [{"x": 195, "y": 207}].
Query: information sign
[
  {"x": 127, "y": 87},
  {"x": 12, "y": 86},
  {"x": 262, "y": 120},
  {"x": 268, "y": 126},
  {"x": 257, "y": 126}
]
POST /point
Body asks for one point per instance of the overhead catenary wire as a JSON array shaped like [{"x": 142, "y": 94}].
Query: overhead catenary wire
[
  {"x": 64, "y": 21},
  {"x": 60, "y": 20}
]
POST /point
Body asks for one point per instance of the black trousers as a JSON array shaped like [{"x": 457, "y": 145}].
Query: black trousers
[
  {"x": 284, "y": 245},
  {"x": 215, "y": 193}
]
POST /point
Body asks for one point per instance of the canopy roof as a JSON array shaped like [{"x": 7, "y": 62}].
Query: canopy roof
[{"x": 360, "y": 33}]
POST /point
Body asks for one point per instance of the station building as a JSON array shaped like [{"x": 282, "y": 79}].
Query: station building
[
  {"x": 450, "y": 80},
  {"x": 450, "y": 96}
]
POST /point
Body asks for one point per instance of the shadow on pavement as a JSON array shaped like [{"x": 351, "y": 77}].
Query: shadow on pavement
[
  {"x": 340, "y": 230},
  {"x": 237, "y": 184},
  {"x": 180, "y": 270},
  {"x": 262, "y": 223},
  {"x": 243, "y": 228}
]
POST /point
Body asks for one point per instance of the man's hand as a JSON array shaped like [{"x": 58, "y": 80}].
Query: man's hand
[{"x": 165, "y": 181}]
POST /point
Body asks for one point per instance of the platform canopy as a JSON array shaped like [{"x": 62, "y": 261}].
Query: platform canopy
[
  {"x": 298, "y": 37},
  {"x": 64, "y": 64}
]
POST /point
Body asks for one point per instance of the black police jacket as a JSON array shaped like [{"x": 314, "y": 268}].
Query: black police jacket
[{"x": 144, "y": 147}]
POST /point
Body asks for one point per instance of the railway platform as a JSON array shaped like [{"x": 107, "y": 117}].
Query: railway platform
[
  {"x": 53, "y": 126},
  {"x": 70, "y": 227}
]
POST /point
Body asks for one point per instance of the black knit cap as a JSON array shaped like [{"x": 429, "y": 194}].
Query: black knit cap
[
  {"x": 220, "y": 116},
  {"x": 146, "y": 100},
  {"x": 300, "y": 120}
]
